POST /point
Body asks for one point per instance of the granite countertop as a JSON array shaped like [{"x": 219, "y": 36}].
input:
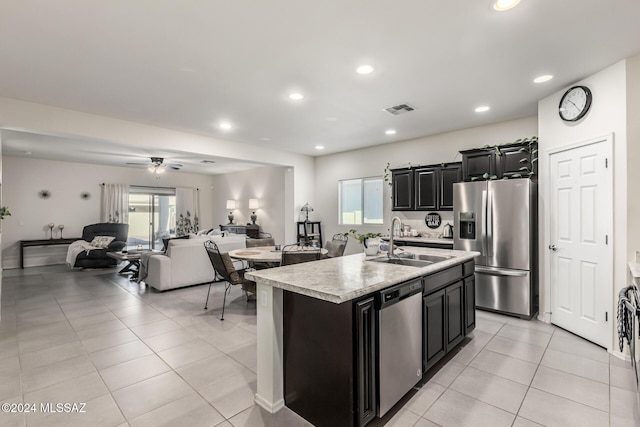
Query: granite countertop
[
  {"x": 348, "y": 277},
  {"x": 408, "y": 239}
]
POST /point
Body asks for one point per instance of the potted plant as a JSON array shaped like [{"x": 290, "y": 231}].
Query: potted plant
[
  {"x": 4, "y": 211},
  {"x": 370, "y": 246}
]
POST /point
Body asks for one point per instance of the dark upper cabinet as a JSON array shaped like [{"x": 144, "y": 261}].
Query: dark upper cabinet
[
  {"x": 402, "y": 183},
  {"x": 449, "y": 175},
  {"x": 427, "y": 180},
  {"x": 425, "y": 188},
  {"x": 475, "y": 163},
  {"x": 512, "y": 159},
  {"x": 503, "y": 161}
]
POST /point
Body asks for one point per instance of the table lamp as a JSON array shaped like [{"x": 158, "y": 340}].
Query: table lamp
[
  {"x": 306, "y": 209},
  {"x": 253, "y": 205},
  {"x": 231, "y": 205}
]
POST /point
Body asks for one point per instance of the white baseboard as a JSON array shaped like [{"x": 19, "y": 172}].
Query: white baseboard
[{"x": 267, "y": 405}]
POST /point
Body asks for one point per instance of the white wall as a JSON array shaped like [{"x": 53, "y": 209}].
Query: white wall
[
  {"x": 607, "y": 115},
  {"x": 48, "y": 120},
  {"x": 266, "y": 184},
  {"x": 23, "y": 178},
  {"x": 372, "y": 161}
]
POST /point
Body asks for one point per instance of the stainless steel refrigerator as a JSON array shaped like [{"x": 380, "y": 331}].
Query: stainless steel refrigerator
[{"x": 499, "y": 219}]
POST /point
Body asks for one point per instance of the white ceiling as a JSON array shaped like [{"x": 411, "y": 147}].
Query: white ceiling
[
  {"x": 30, "y": 145},
  {"x": 190, "y": 64}
]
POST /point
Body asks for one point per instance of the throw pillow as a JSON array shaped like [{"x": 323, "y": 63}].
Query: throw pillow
[{"x": 102, "y": 241}]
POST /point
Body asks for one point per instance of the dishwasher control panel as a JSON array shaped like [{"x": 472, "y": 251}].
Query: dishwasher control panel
[{"x": 399, "y": 292}]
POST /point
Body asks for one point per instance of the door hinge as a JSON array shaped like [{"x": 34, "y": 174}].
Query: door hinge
[
  {"x": 606, "y": 163},
  {"x": 606, "y": 316},
  {"x": 606, "y": 239}
]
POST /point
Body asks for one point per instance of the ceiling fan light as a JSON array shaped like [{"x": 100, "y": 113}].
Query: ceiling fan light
[{"x": 502, "y": 5}]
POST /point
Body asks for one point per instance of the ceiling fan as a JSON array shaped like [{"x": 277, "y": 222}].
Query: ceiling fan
[{"x": 157, "y": 165}]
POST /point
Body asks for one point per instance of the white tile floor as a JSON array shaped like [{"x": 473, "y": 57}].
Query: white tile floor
[{"x": 143, "y": 358}]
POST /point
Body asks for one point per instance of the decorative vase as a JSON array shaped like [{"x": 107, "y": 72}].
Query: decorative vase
[{"x": 371, "y": 246}]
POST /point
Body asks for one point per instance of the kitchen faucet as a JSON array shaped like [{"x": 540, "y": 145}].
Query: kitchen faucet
[{"x": 393, "y": 221}]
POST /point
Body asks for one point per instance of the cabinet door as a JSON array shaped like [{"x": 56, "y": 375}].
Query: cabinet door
[
  {"x": 434, "y": 323},
  {"x": 426, "y": 188},
  {"x": 477, "y": 163},
  {"x": 449, "y": 175},
  {"x": 511, "y": 160},
  {"x": 366, "y": 357},
  {"x": 455, "y": 314},
  {"x": 469, "y": 304},
  {"x": 402, "y": 190}
]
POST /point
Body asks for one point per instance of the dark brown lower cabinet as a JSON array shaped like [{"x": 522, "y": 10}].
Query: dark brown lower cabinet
[
  {"x": 329, "y": 360},
  {"x": 448, "y": 311},
  {"x": 470, "y": 304},
  {"x": 366, "y": 354},
  {"x": 455, "y": 314},
  {"x": 434, "y": 319}
]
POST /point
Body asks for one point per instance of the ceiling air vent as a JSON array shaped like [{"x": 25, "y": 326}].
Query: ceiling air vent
[{"x": 399, "y": 109}]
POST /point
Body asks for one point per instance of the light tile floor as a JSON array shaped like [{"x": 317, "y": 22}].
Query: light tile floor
[{"x": 143, "y": 358}]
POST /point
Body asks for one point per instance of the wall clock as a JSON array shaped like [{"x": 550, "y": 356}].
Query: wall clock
[{"x": 575, "y": 103}]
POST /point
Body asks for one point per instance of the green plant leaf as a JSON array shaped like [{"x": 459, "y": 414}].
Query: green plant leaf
[
  {"x": 523, "y": 160},
  {"x": 485, "y": 175},
  {"x": 534, "y": 160},
  {"x": 523, "y": 150},
  {"x": 493, "y": 177},
  {"x": 523, "y": 168},
  {"x": 497, "y": 151},
  {"x": 474, "y": 178},
  {"x": 534, "y": 151},
  {"x": 504, "y": 178},
  {"x": 516, "y": 175}
]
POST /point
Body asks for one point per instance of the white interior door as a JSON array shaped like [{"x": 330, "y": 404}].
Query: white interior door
[{"x": 581, "y": 248}]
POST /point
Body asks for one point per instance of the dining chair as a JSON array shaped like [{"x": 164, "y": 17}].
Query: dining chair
[
  {"x": 224, "y": 269},
  {"x": 261, "y": 241},
  {"x": 337, "y": 245},
  {"x": 296, "y": 254}
]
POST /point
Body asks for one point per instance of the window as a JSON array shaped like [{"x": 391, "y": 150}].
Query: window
[
  {"x": 360, "y": 201},
  {"x": 152, "y": 216}
]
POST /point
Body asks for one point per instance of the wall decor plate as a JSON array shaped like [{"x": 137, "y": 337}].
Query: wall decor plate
[{"x": 433, "y": 220}]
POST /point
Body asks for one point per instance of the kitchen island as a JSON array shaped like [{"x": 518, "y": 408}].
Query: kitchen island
[{"x": 317, "y": 324}]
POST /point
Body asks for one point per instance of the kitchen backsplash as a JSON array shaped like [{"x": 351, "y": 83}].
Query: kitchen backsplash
[{"x": 416, "y": 221}]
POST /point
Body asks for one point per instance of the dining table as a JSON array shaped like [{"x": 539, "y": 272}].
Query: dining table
[{"x": 264, "y": 254}]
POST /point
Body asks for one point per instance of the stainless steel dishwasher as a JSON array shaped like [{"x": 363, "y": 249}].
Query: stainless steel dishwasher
[{"x": 399, "y": 342}]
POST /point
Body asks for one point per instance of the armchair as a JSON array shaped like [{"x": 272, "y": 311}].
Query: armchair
[{"x": 97, "y": 258}]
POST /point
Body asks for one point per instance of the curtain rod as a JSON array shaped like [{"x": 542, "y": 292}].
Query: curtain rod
[{"x": 147, "y": 186}]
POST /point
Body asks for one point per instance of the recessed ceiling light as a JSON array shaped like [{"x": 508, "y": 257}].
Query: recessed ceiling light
[
  {"x": 27, "y": 153},
  {"x": 265, "y": 139},
  {"x": 319, "y": 147},
  {"x": 502, "y": 5},
  {"x": 364, "y": 69},
  {"x": 482, "y": 109},
  {"x": 296, "y": 96},
  {"x": 390, "y": 131},
  {"x": 543, "y": 79},
  {"x": 225, "y": 126}
]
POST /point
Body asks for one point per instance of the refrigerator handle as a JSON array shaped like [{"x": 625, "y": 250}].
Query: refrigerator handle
[
  {"x": 483, "y": 224},
  {"x": 489, "y": 224}
]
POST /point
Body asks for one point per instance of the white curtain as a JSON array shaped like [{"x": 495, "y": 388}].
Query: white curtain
[
  {"x": 115, "y": 203},
  {"x": 187, "y": 210}
]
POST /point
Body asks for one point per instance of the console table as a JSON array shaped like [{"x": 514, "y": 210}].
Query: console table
[
  {"x": 251, "y": 230},
  {"x": 43, "y": 242}
]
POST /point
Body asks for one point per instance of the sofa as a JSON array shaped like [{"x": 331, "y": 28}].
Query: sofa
[
  {"x": 97, "y": 258},
  {"x": 186, "y": 262}
]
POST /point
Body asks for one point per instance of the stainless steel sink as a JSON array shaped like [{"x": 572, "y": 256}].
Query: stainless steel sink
[
  {"x": 403, "y": 261},
  {"x": 412, "y": 259},
  {"x": 424, "y": 257}
]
